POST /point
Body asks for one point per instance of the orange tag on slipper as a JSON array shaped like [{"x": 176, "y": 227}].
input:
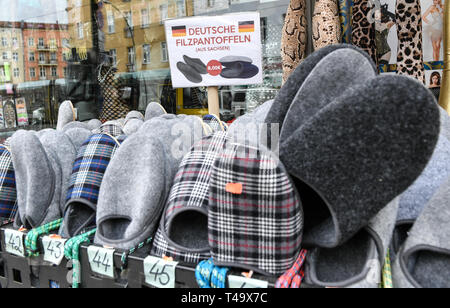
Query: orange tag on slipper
[
  {"x": 55, "y": 237},
  {"x": 234, "y": 188}
]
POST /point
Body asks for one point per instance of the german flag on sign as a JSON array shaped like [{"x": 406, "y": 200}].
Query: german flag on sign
[
  {"x": 247, "y": 26},
  {"x": 179, "y": 31}
]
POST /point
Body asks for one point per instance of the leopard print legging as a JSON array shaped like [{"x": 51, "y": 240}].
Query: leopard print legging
[{"x": 294, "y": 37}]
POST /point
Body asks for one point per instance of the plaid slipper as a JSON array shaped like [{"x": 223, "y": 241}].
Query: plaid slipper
[
  {"x": 87, "y": 175},
  {"x": 183, "y": 232},
  {"x": 255, "y": 217},
  {"x": 8, "y": 193}
]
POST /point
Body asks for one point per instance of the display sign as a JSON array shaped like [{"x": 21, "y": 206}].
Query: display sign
[
  {"x": 101, "y": 260},
  {"x": 215, "y": 50},
  {"x": 160, "y": 273},
  {"x": 14, "y": 242},
  {"x": 53, "y": 249},
  {"x": 22, "y": 114}
]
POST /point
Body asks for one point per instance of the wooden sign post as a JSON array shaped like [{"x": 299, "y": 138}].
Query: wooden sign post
[{"x": 213, "y": 101}]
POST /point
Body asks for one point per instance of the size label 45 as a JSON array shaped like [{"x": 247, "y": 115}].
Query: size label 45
[
  {"x": 160, "y": 273},
  {"x": 101, "y": 260},
  {"x": 14, "y": 242},
  {"x": 53, "y": 249}
]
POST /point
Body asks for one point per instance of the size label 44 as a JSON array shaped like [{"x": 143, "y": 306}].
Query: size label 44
[
  {"x": 160, "y": 273},
  {"x": 101, "y": 260},
  {"x": 14, "y": 242},
  {"x": 53, "y": 249}
]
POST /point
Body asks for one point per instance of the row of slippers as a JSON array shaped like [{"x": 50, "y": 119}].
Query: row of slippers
[{"x": 361, "y": 156}]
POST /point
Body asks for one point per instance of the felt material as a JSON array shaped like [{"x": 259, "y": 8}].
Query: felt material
[
  {"x": 154, "y": 110},
  {"x": 289, "y": 90},
  {"x": 321, "y": 87},
  {"x": 66, "y": 114},
  {"x": 239, "y": 70},
  {"x": 228, "y": 60},
  {"x": 196, "y": 63},
  {"x": 424, "y": 260},
  {"x": 138, "y": 180},
  {"x": 359, "y": 153},
  {"x": 8, "y": 191},
  {"x": 93, "y": 124},
  {"x": 414, "y": 199},
  {"x": 78, "y": 136},
  {"x": 74, "y": 124},
  {"x": 60, "y": 146},
  {"x": 255, "y": 218},
  {"x": 134, "y": 115},
  {"x": 356, "y": 263},
  {"x": 189, "y": 72},
  {"x": 38, "y": 199},
  {"x": 87, "y": 175},
  {"x": 133, "y": 192},
  {"x": 132, "y": 126},
  {"x": 183, "y": 231}
]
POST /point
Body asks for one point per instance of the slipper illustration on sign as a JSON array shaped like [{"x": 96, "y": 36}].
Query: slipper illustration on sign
[
  {"x": 229, "y": 60},
  {"x": 239, "y": 69},
  {"x": 197, "y": 64},
  {"x": 189, "y": 72}
]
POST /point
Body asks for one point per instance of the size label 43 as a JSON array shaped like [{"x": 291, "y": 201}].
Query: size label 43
[
  {"x": 238, "y": 282},
  {"x": 14, "y": 242},
  {"x": 160, "y": 273},
  {"x": 53, "y": 249},
  {"x": 101, "y": 260}
]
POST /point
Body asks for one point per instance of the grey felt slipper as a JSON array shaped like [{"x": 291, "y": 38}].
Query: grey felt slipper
[
  {"x": 134, "y": 115},
  {"x": 322, "y": 86},
  {"x": 360, "y": 152},
  {"x": 356, "y": 263},
  {"x": 183, "y": 231},
  {"x": 38, "y": 180},
  {"x": 133, "y": 192},
  {"x": 66, "y": 114},
  {"x": 424, "y": 260},
  {"x": 228, "y": 60},
  {"x": 78, "y": 136},
  {"x": 289, "y": 90},
  {"x": 154, "y": 110},
  {"x": 132, "y": 126},
  {"x": 414, "y": 199},
  {"x": 93, "y": 124},
  {"x": 74, "y": 124},
  {"x": 61, "y": 147}
]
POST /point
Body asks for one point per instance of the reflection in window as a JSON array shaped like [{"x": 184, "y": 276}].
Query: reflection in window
[
  {"x": 31, "y": 57},
  {"x": 32, "y": 73},
  {"x": 163, "y": 9},
  {"x": 111, "y": 23},
  {"x": 113, "y": 57},
  {"x": 16, "y": 73},
  {"x": 146, "y": 52},
  {"x": 80, "y": 30},
  {"x": 164, "y": 53},
  {"x": 42, "y": 72},
  {"x": 181, "y": 8}
]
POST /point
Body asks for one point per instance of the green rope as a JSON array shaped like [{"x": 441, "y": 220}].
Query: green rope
[
  {"x": 72, "y": 252},
  {"x": 126, "y": 254},
  {"x": 31, "y": 240},
  {"x": 387, "y": 272}
]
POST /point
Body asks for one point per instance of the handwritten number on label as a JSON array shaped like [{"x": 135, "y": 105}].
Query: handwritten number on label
[
  {"x": 14, "y": 242},
  {"x": 159, "y": 273},
  {"x": 101, "y": 260}
]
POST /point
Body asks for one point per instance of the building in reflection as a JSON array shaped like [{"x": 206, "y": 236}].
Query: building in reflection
[
  {"x": 11, "y": 53},
  {"x": 45, "y": 51}
]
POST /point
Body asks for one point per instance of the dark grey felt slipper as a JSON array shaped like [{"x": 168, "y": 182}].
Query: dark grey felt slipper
[
  {"x": 239, "y": 70},
  {"x": 289, "y": 90},
  {"x": 360, "y": 152}
]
